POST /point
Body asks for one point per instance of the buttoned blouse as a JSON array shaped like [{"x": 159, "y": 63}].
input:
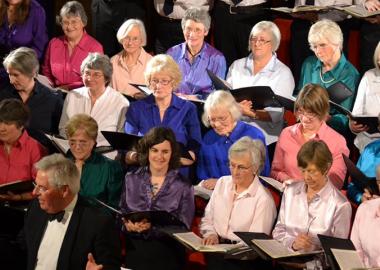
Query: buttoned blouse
[
  {"x": 108, "y": 111},
  {"x": 365, "y": 232},
  {"x": 64, "y": 69},
  {"x": 328, "y": 213},
  {"x": 122, "y": 75},
  {"x": 284, "y": 165},
  {"x": 253, "y": 210}
]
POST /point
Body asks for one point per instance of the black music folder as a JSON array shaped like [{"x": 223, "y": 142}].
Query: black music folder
[
  {"x": 371, "y": 121},
  {"x": 360, "y": 179},
  {"x": 142, "y": 88},
  {"x": 17, "y": 187},
  {"x": 330, "y": 244},
  {"x": 339, "y": 92}
]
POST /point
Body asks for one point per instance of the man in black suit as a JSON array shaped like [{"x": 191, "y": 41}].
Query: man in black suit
[{"x": 61, "y": 230}]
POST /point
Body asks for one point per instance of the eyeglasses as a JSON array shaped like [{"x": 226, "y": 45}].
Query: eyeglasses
[
  {"x": 94, "y": 75},
  {"x": 131, "y": 39},
  {"x": 221, "y": 120},
  {"x": 81, "y": 144},
  {"x": 321, "y": 46},
  {"x": 196, "y": 31},
  {"x": 39, "y": 189},
  {"x": 310, "y": 172},
  {"x": 71, "y": 22},
  {"x": 238, "y": 168},
  {"x": 258, "y": 41},
  {"x": 308, "y": 115},
  {"x": 163, "y": 82}
]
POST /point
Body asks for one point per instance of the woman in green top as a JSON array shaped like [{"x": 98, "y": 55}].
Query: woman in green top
[
  {"x": 101, "y": 177},
  {"x": 329, "y": 66}
]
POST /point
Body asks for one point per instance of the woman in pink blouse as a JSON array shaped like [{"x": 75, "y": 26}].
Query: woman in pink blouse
[
  {"x": 129, "y": 64},
  {"x": 313, "y": 206},
  {"x": 365, "y": 233},
  {"x": 312, "y": 110},
  {"x": 65, "y": 54}
]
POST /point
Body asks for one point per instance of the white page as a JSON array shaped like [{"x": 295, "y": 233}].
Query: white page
[{"x": 347, "y": 259}]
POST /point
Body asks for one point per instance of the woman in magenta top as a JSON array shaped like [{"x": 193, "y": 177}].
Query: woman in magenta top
[
  {"x": 65, "y": 54},
  {"x": 312, "y": 110}
]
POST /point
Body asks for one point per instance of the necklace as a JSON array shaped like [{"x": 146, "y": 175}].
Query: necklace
[{"x": 321, "y": 76}]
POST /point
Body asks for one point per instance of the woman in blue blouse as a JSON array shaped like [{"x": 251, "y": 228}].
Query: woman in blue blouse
[
  {"x": 22, "y": 23},
  {"x": 163, "y": 108},
  {"x": 222, "y": 113},
  {"x": 329, "y": 66}
]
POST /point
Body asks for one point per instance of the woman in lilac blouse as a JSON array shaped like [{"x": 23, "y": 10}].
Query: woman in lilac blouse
[
  {"x": 66, "y": 53},
  {"x": 313, "y": 206},
  {"x": 156, "y": 185}
]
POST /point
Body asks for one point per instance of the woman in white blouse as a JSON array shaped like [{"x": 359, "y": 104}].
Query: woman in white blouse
[
  {"x": 96, "y": 98},
  {"x": 262, "y": 68},
  {"x": 367, "y": 101},
  {"x": 239, "y": 201},
  {"x": 313, "y": 206}
]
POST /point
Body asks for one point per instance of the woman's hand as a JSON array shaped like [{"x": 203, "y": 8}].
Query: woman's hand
[
  {"x": 91, "y": 264},
  {"x": 212, "y": 239},
  {"x": 355, "y": 127},
  {"x": 139, "y": 227},
  {"x": 372, "y": 5},
  {"x": 209, "y": 183},
  {"x": 246, "y": 108},
  {"x": 186, "y": 161},
  {"x": 303, "y": 242},
  {"x": 368, "y": 196},
  {"x": 131, "y": 158}
]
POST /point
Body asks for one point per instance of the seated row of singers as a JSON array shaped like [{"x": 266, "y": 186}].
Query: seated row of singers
[{"x": 239, "y": 202}]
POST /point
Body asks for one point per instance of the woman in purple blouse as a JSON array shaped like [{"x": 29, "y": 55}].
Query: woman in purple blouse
[
  {"x": 22, "y": 23},
  {"x": 156, "y": 185}
]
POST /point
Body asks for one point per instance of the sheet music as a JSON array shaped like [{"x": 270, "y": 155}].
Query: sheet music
[
  {"x": 347, "y": 259},
  {"x": 274, "y": 183},
  {"x": 202, "y": 192},
  {"x": 277, "y": 250}
]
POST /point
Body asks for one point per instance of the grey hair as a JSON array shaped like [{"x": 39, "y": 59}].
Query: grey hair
[
  {"x": 100, "y": 62},
  {"x": 61, "y": 171},
  {"x": 376, "y": 56},
  {"x": 271, "y": 28},
  {"x": 127, "y": 26},
  {"x": 72, "y": 9},
  {"x": 255, "y": 148},
  {"x": 24, "y": 60},
  {"x": 326, "y": 29},
  {"x": 220, "y": 100},
  {"x": 198, "y": 15},
  {"x": 163, "y": 63}
]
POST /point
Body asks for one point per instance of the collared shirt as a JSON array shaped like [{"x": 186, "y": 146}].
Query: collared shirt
[
  {"x": 123, "y": 75},
  {"x": 368, "y": 162},
  {"x": 50, "y": 247},
  {"x": 176, "y": 195},
  {"x": 108, "y": 110},
  {"x": 101, "y": 178},
  {"x": 19, "y": 163},
  {"x": 32, "y": 33},
  {"x": 284, "y": 165},
  {"x": 45, "y": 106},
  {"x": 181, "y": 116},
  {"x": 213, "y": 156},
  {"x": 253, "y": 210},
  {"x": 368, "y": 97},
  {"x": 365, "y": 232},
  {"x": 180, "y": 7},
  {"x": 344, "y": 72},
  {"x": 328, "y": 213},
  {"x": 64, "y": 69},
  {"x": 195, "y": 79},
  {"x": 276, "y": 75}
]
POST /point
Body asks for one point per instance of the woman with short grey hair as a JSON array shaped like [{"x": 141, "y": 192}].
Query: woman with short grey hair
[
  {"x": 239, "y": 203},
  {"x": 129, "y": 64},
  {"x": 96, "y": 98},
  {"x": 195, "y": 56},
  {"x": 45, "y": 106},
  {"x": 262, "y": 68},
  {"x": 330, "y": 66},
  {"x": 65, "y": 54},
  {"x": 221, "y": 112}
]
